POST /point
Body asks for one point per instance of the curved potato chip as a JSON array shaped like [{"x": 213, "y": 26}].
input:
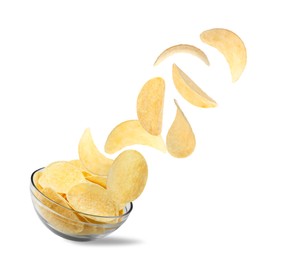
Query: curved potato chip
[
  {"x": 127, "y": 176},
  {"x": 129, "y": 133},
  {"x": 182, "y": 48},
  {"x": 180, "y": 137},
  {"x": 92, "y": 229},
  {"x": 100, "y": 180},
  {"x": 231, "y": 46},
  {"x": 66, "y": 220},
  {"x": 60, "y": 176},
  {"x": 150, "y": 104},
  {"x": 90, "y": 156},
  {"x": 189, "y": 90},
  {"x": 90, "y": 198},
  {"x": 78, "y": 164}
]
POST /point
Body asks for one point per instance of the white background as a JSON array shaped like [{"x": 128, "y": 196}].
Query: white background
[{"x": 69, "y": 65}]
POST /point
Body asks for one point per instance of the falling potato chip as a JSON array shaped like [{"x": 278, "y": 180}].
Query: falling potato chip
[
  {"x": 91, "y": 158},
  {"x": 231, "y": 46},
  {"x": 150, "y": 104},
  {"x": 189, "y": 90},
  {"x": 127, "y": 176},
  {"x": 129, "y": 133},
  {"x": 101, "y": 180},
  {"x": 61, "y": 176},
  {"x": 90, "y": 198},
  {"x": 58, "y": 213},
  {"x": 182, "y": 48},
  {"x": 180, "y": 137}
]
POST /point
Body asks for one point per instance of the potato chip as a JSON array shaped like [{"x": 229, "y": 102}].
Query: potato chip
[
  {"x": 90, "y": 229},
  {"x": 127, "y": 176},
  {"x": 129, "y": 133},
  {"x": 58, "y": 213},
  {"x": 90, "y": 156},
  {"x": 86, "y": 173},
  {"x": 180, "y": 137},
  {"x": 78, "y": 164},
  {"x": 98, "y": 179},
  {"x": 231, "y": 46},
  {"x": 90, "y": 198},
  {"x": 150, "y": 104},
  {"x": 61, "y": 176},
  {"x": 189, "y": 89},
  {"x": 101, "y": 180},
  {"x": 182, "y": 48}
]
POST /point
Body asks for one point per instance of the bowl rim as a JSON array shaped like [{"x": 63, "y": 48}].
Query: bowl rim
[{"x": 73, "y": 210}]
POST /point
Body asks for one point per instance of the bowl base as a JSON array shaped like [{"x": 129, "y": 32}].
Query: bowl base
[{"x": 73, "y": 237}]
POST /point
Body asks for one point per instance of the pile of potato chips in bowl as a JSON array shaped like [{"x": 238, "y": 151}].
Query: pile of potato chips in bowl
[
  {"x": 79, "y": 205},
  {"x": 57, "y": 214}
]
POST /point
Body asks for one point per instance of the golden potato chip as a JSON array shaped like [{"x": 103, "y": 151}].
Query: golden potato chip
[
  {"x": 86, "y": 173},
  {"x": 90, "y": 226},
  {"x": 127, "y": 176},
  {"x": 58, "y": 213},
  {"x": 182, "y": 48},
  {"x": 91, "y": 158},
  {"x": 98, "y": 179},
  {"x": 101, "y": 180},
  {"x": 189, "y": 90},
  {"x": 61, "y": 176},
  {"x": 78, "y": 164},
  {"x": 91, "y": 229},
  {"x": 150, "y": 104},
  {"x": 180, "y": 137},
  {"x": 231, "y": 46},
  {"x": 99, "y": 225},
  {"x": 90, "y": 198},
  {"x": 129, "y": 133}
]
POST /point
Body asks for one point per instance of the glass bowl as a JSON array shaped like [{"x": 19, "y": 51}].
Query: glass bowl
[{"x": 71, "y": 224}]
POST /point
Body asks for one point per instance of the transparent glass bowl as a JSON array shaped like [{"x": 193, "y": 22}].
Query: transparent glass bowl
[{"x": 71, "y": 224}]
